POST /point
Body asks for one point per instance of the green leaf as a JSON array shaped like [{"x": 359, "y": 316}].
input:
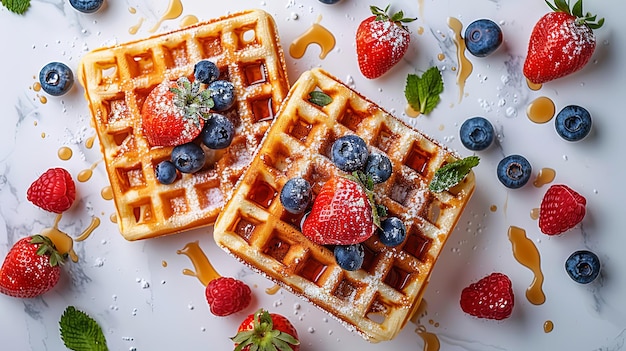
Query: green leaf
[
  {"x": 319, "y": 98},
  {"x": 423, "y": 93},
  {"x": 452, "y": 173},
  {"x": 16, "y": 6},
  {"x": 80, "y": 332}
]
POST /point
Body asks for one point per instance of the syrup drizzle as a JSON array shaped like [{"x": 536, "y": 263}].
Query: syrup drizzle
[
  {"x": 465, "y": 66},
  {"x": 63, "y": 242},
  {"x": 272, "y": 290},
  {"x": 316, "y": 34},
  {"x": 204, "y": 271},
  {"x": 174, "y": 10},
  {"x": 431, "y": 340},
  {"x": 526, "y": 253},
  {"x": 188, "y": 21}
]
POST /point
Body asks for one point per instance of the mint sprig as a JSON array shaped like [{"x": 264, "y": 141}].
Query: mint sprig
[
  {"x": 16, "y": 6},
  {"x": 319, "y": 98},
  {"x": 80, "y": 332},
  {"x": 452, "y": 173},
  {"x": 422, "y": 93}
]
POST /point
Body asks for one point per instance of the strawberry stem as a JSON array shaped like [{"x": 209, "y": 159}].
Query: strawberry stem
[
  {"x": 397, "y": 18},
  {"x": 263, "y": 336},
  {"x": 577, "y": 11},
  {"x": 46, "y": 247}
]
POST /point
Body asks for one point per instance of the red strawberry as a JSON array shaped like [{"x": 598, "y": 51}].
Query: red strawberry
[
  {"x": 491, "y": 297},
  {"x": 561, "y": 209},
  {"x": 31, "y": 267},
  {"x": 266, "y": 331},
  {"x": 227, "y": 295},
  {"x": 53, "y": 191},
  {"x": 561, "y": 42},
  {"x": 174, "y": 112},
  {"x": 381, "y": 41},
  {"x": 341, "y": 214}
]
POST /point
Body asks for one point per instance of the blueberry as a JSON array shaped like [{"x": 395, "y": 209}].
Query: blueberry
[
  {"x": 349, "y": 257},
  {"x": 349, "y": 153},
  {"x": 166, "y": 172},
  {"x": 514, "y": 171},
  {"x": 329, "y": 2},
  {"x": 188, "y": 158},
  {"x": 56, "y": 78},
  {"x": 296, "y": 195},
  {"x": 573, "y": 123},
  {"x": 392, "y": 232},
  {"x": 482, "y": 37},
  {"x": 582, "y": 266},
  {"x": 379, "y": 167},
  {"x": 86, "y": 6},
  {"x": 218, "y": 132},
  {"x": 206, "y": 71},
  {"x": 223, "y": 94},
  {"x": 476, "y": 133}
]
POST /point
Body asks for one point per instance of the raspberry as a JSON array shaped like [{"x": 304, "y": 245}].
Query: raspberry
[
  {"x": 227, "y": 295},
  {"x": 491, "y": 297},
  {"x": 561, "y": 209},
  {"x": 53, "y": 191}
]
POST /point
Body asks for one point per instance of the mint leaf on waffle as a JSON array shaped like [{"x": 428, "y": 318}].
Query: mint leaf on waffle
[{"x": 452, "y": 173}]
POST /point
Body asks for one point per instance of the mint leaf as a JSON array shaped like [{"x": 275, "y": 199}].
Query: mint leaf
[
  {"x": 422, "y": 93},
  {"x": 452, "y": 173},
  {"x": 16, "y": 6},
  {"x": 80, "y": 332},
  {"x": 319, "y": 98}
]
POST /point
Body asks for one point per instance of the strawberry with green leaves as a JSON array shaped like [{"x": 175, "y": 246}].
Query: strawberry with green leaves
[
  {"x": 174, "y": 112},
  {"x": 264, "y": 331},
  {"x": 381, "y": 41},
  {"x": 561, "y": 43}
]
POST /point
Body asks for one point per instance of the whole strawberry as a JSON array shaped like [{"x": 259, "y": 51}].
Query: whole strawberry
[
  {"x": 491, "y": 297},
  {"x": 561, "y": 42},
  {"x": 31, "y": 268},
  {"x": 381, "y": 41},
  {"x": 174, "y": 112},
  {"x": 561, "y": 209},
  {"x": 227, "y": 295},
  {"x": 53, "y": 191},
  {"x": 264, "y": 331},
  {"x": 342, "y": 214}
]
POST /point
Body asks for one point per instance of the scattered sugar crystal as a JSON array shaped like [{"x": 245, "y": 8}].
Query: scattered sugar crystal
[
  {"x": 311, "y": 330},
  {"x": 99, "y": 262},
  {"x": 202, "y": 329},
  {"x": 127, "y": 338},
  {"x": 190, "y": 307},
  {"x": 296, "y": 306},
  {"x": 294, "y": 16},
  {"x": 565, "y": 158}
]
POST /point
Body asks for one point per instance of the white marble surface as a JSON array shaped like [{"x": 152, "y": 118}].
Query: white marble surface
[{"x": 143, "y": 305}]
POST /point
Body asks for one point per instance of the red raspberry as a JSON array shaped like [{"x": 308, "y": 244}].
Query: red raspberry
[
  {"x": 491, "y": 297},
  {"x": 227, "y": 295},
  {"x": 561, "y": 209},
  {"x": 53, "y": 191}
]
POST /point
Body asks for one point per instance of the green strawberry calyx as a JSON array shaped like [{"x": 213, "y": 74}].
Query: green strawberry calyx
[
  {"x": 397, "y": 18},
  {"x": 263, "y": 336},
  {"x": 577, "y": 11},
  {"x": 194, "y": 103},
  {"x": 367, "y": 183},
  {"x": 47, "y": 248}
]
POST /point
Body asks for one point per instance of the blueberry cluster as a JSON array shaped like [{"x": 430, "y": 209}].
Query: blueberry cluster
[{"x": 217, "y": 133}]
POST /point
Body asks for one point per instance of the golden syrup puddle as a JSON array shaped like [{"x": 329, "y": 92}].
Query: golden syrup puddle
[
  {"x": 541, "y": 110},
  {"x": 532, "y": 86},
  {"x": 465, "y": 66},
  {"x": 526, "y": 253},
  {"x": 431, "y": 340},
  {"x": 203, "y": 270},
  {"x": 545, "y": 176},
  {"x": 272, "y": 290},
  {"x": 316, "y": 34},
  {"x": 174, "y": 10},
  {"x": 65, "y": 243}
]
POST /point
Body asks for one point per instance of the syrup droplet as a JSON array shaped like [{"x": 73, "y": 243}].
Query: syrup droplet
[
  {"x": 441, "y": 57},
  {"x": 526, "y": 253},
  {"x": 42, "y": 99},
  {"x": 174, "y": 10},
  {"x": 204, "y": 271},
  {"x": 107, "y": 193},
  {"x": 272, "y": 290},
  {"x": 541, "y": 110},
  {"x": 132, "y": 10},
  {"x": 86, "y": 174},
  {"x": 64, "y": 153},
  {"x": 89, "y": 142},
  {"x": 548, "y": 326},
  {"x": 164, "y": 263},
  {"x": 37, "y": 86},
  {"x": 95, "y": 223},
  {"x": 411, "y": 112},
  {"x": 493, "y": 208},
  {"x": 545, "y": 176},
  {"x": 113, "y": 217},
  {"x": 316, "y": 34},
  {"x": 533, "y": 86},
  {"x": 188, "y": 21},
  {"x": 135, "y": 28},
  {"x": 465, "y": 66},
  {"x": 431, "y": 341},
  {"x": 534, "y": 213}
]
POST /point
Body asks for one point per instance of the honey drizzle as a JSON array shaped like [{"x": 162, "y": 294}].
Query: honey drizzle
[
  {"x": 541, "y": 110},
  {"x": 526, "y": 253},
  {"x": 63, "y": 242},
  {"x": 204, "y": 271},
  {"x": 545, "y": 176},
  {"x": 95, "y": 223},
  {"x": 465, "y": 66},
  {"x": 135, "y": 28},
  {"x": 86, "y": 174},
  {"x": 272, "y": 290},
  {"x": 188, "y": 20},
  {"x": 174, "y": 10},
  {"x": 431, "y": 341},
  {"x": 316, "y": 34}
]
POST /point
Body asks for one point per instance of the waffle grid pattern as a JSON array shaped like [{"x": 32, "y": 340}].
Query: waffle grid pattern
[
  {"x": 246, "y": 48},
  {"x": 377, "y": 300}
]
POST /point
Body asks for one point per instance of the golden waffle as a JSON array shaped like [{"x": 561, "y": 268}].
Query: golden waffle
[
  {"x": 245, "y": 46},
  {"x": 377, "y": 300}
]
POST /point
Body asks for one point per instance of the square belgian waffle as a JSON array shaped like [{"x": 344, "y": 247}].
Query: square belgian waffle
[
  {"x": 378, "y": 299},
  {"x": 246, "y": 48}
]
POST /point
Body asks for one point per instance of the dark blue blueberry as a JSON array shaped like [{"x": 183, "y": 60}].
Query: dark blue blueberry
[
  {"x": 330, "y": 2},
  {"x": 482, "y": 37},
  {"x": 349, "y": 257},
  {"x": 166, "y": 172},
  {"x": 296, "y": 195},
  {"x": 514, "y": 171},
  {"x": 573, "y": 123},
  {"x": 349, "y": 153},
  {"x": 218, "y": 132},
  {"x": 223, "y": 94},
  {"x": 206, "y": 71},
  {"x": 379, "y": 167},
  {"x": 476, "y": 133},
  {"x": 86, "y": 6},
  {"x": 583, "y": 266},
  {"x": 188, "y": 158},
  {"x": 392, "y": 231},
  {"x": 56, "y": 78}
]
